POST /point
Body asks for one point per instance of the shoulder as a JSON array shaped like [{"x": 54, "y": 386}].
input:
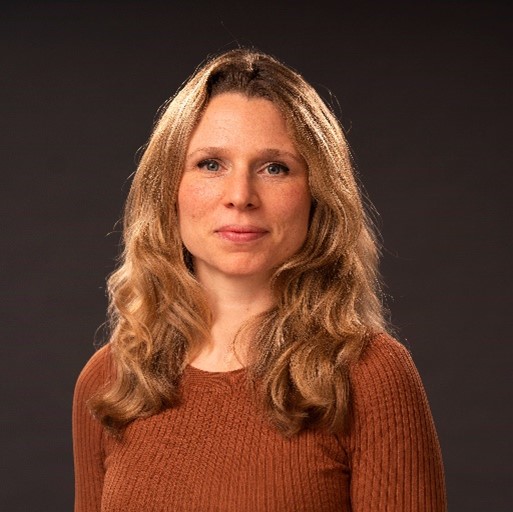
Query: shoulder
[
  {"x": 383, "y": 355},
  {"x": 385, "y": 372},
  {"x": 95, "y": 374}
]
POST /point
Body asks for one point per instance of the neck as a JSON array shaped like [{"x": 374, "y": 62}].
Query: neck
[{"x": 233, "y": 300}]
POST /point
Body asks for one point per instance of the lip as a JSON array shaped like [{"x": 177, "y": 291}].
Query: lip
[{"x": 241, "y": 233}]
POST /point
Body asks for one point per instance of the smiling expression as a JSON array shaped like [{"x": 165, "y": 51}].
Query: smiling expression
[{"x": 244, "y": 200}]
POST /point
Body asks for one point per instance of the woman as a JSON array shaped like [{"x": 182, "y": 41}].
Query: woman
[{"x": 249, "y": 367}]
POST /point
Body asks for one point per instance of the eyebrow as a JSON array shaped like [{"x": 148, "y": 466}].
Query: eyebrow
[{"x": 267, "y": 153}]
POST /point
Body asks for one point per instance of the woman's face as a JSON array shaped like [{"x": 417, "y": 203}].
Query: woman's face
[{"x": 244, "y": 200}]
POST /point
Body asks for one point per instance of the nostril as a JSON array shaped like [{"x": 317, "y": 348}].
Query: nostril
[{"x": 232, "y": 204}]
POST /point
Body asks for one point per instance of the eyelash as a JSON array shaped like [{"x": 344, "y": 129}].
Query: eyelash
[{"x": 204, "y": 163}]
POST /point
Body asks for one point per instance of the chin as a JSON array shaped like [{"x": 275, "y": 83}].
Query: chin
[
  {"x": 247, "y": 272},
  {"x": 245, "y": 269},
  {"x": 238, "y": 266}
]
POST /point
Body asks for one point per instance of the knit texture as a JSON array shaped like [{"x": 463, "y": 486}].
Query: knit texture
[{"x": 217, "y": 451}]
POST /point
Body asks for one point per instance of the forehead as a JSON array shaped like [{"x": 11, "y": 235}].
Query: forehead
[{"x": 236, "y": 118}]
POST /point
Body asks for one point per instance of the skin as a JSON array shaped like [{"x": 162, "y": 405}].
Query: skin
[{"x": 243, "y": 209}]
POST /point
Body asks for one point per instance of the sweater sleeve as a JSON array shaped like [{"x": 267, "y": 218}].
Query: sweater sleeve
[
  {"x": 87, "y": 436},
  {"x": 396, "y": 463}
]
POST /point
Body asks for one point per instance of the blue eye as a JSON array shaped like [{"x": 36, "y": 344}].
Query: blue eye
[
  {"x": 209, "y": 165},
  {"x": 275, "y": 169}
]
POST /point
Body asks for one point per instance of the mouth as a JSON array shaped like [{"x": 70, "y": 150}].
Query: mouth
[{"x": 241, "y": 233}]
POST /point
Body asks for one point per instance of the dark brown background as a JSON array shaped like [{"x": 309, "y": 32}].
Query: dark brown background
[{"x": 425, "y": 95}]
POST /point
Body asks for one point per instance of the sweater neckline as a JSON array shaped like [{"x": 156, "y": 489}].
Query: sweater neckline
[{"x": 193, "y": 370}]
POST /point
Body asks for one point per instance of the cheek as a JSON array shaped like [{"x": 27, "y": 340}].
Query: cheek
[
  {"x": 192, "y": 201},
  {"x": 299, "y": 208},
  {"x": 292, "y": 209}
]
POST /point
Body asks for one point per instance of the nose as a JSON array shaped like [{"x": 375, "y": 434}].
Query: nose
[{"x": 240, "y": 190}]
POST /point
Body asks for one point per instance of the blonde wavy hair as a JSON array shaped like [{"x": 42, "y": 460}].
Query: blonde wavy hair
[{"x": 327, "y": 296}]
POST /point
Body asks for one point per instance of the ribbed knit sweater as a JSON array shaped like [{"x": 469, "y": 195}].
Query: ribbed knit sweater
[{"x": 216, "y": 451}]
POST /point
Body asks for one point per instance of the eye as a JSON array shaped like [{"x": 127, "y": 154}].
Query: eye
[
  {"x": 209, "y": 165},
  {"x": 275, "y": 169}
]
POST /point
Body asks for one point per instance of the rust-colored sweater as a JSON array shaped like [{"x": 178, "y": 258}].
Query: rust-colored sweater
[{"x": 216, "y": 452}]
